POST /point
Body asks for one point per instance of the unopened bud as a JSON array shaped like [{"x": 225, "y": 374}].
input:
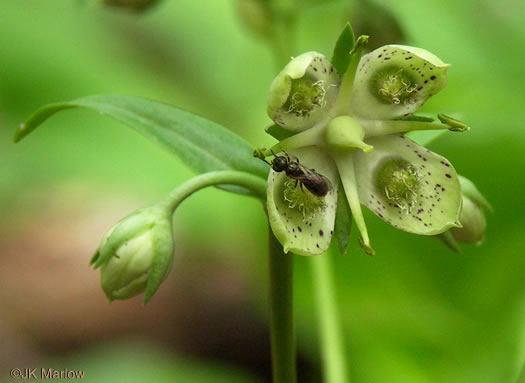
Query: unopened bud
[
  {"x": 474, "y": 224},
  {"x": 135, "y": 255}
]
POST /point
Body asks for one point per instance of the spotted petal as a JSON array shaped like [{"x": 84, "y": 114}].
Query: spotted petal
[
  {"x": 303, "y": 92},
  {"x": 395, "y": 81},
  {"x": 427, "y": 202},
  {"x": 303, "y": 225}
]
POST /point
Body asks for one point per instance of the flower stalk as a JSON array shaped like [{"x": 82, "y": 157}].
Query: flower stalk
[
  {"x": 282, "y": 329},
  {"x": 331, "y": 334}
]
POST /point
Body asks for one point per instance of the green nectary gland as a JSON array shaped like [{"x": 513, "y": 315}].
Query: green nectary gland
[
  {"x": 399, "y": 181},
  {"x": 298, "y": 197},
  {"x": 393, "y": 85},
  {"x": 306, "y": 94}
]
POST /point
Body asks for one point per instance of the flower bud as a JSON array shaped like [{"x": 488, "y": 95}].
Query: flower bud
[
  {"x": 135, "y": 255},
  {"x": 473, "y": 221}
]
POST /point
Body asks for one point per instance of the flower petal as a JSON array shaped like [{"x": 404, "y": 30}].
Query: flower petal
[
  {"x": 303, "y": 92},
  {"x": 408, "y": 186},
  {"x": 302, "y": 222},
  {"x": 395, "y": 80}
]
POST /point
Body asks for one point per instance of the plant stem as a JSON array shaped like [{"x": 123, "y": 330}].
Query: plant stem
[
  {"x": 224, "y": 177},
  {"x": 332, "y": 348},
  {"x": 282, "y": 331}
]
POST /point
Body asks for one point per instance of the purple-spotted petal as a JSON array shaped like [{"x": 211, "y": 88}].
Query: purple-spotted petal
[
  {"x": 302, "y": 222},
  {"x": 394, "y": 81},
  {"x": 303, "y": 92},
  {"x": 408, "y": 186}
]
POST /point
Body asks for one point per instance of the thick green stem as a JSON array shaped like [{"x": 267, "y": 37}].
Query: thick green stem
[
  {"x": 282, "y": 329},
  {"x": 331, "y": 335},
  {"x": 220, "y": 177}
]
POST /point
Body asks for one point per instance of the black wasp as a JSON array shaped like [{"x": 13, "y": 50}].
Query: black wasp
[{"x": 316, "y": 183}]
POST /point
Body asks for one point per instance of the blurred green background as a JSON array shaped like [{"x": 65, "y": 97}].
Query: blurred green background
[{"x": 413, "y": 313}]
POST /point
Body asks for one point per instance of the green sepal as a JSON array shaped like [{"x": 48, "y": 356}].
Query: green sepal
[
  {"x": 341, "y": 55},
  {"x": 94, "y": 258},
  {"x": 163, "y": 248},
  {"x": 129, "y": 227},
  {"x": 343, "y": 222},
  {"x": 278, "y": 132},
  {"x": 448, "y": 239}
]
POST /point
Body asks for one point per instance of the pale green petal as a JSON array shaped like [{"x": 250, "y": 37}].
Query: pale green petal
[
  {"x": 395, "y": 80},
  {"x": 434, "y": 199},
  {"x": 303, "y": 92},
  {"x": 303, "y": 231}
]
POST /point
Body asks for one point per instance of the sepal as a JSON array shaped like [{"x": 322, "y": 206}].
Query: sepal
[{"x": 135, "y": 255}]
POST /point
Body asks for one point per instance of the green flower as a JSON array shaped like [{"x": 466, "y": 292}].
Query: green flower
[
  {"x": 135, "y": 256},
  {"x": 352, "y": 131}
]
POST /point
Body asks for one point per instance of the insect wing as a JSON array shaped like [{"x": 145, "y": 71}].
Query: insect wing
[{"x": 309, "y": 175}]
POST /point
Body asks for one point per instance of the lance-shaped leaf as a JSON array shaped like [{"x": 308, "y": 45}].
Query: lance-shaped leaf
[
  {"x": 345, "y": 43},
  {"x": 202, "y": 144},
  {"x": 343, "y": 222}
]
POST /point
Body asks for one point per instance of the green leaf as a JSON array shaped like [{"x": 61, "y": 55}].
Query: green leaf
[
  {"x": 343, "y": 222},
  {"x": 425, "y": 137},
  {"x": 343, "y": 46},
  {"x": 278, "y": 132},
  {"x": 202, "y": 144}
]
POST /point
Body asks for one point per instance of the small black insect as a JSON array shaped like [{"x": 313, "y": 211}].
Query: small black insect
[{"x": 316, "y": 183}]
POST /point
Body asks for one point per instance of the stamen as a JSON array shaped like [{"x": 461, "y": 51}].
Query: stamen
[
  {"x": 396, "y": 87},
  {"x": 399, "y": 181},
  {"x": 305, "y": 97},
  {"x": 298, "y": 197}
]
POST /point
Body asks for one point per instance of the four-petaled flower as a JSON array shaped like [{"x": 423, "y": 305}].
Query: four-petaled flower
[{"x": 351, "y": 130}]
